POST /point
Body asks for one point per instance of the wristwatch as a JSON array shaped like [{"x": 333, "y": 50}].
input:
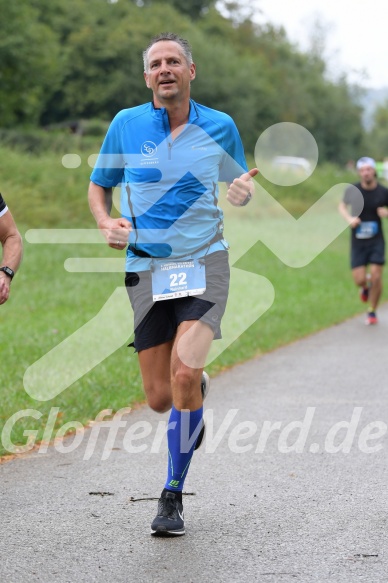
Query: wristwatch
[
  {"x": 246, "y": 200},
  {"x": 8, "y": 271}
]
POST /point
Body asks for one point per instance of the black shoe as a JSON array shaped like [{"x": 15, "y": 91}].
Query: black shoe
[
  {"x": 200, "y": 436},
  {"x": 169, "y": 520},
  {"x": 205, "y": 384}
]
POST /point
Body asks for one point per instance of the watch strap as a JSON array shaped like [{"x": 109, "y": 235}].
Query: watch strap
[{"x": 10, "y": 272}]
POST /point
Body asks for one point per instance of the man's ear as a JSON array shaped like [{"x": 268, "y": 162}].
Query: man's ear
[
  {"x": 192, "y": 71},
  {"x": 146, "y": 79}
]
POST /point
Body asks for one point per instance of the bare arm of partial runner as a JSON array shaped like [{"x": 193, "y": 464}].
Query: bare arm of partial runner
[
  {"x": 115, "y": 231},
  {"x": 12, "y": 245}
]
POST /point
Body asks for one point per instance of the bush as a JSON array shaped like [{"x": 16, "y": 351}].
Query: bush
[{"x": 59, "y": 139}]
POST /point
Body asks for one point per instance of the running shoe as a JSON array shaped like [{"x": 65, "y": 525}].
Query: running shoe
[
  {"x": 364, "y": 294},
  {"x": 205, "y": 384},
  {"x": 371, "y": 319},
  {"x": 169, "y": 520},
  {"x": 200, "y": 437}
]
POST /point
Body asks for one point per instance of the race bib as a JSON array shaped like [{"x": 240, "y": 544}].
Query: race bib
[
  {"x": 367, "y": 230},
  {"x": 176, "y": 279}
]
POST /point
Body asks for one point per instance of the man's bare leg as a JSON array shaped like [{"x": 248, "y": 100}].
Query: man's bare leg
[
  {"x": 376, "y": 272},
  {"x": 155, "y": 367},
  {"x": 359, "y": 276},
  {"x": 190, "y": 349}
]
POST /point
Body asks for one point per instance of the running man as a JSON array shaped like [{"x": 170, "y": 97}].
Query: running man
[
  {"x": 169, "y": 155},
  {"x": 367, "y": 237}
]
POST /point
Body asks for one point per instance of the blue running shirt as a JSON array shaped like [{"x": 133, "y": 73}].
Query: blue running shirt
[{"x": 169, "y": 188}]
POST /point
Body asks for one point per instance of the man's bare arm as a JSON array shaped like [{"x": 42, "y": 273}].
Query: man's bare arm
[
  {"x": 12, "y": 246},
  {"x": 115, "y": 231},
  {"x": 343, "y": 210}
]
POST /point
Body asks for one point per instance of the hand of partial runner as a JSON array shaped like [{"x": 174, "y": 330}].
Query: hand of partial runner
[{"x": 4, "y": 287}]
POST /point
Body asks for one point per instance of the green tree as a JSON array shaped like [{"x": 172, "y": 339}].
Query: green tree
[
  {"x": 75, "y": 59},
  {"x": 29, "y": 54},
  {"x": 377, "y": 137},
  {"x": 193, "y": 9},
  {"x": 104, "y": 71}
]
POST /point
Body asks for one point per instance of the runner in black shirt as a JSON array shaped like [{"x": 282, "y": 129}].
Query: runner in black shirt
[{"x": 367, "y": 237}]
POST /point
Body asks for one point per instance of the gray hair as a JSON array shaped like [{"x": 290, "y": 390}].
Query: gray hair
[{"x": 184, "y": 44}]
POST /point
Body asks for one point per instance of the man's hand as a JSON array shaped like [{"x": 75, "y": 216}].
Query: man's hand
[
  {"x": 382, "y": 211},
  {"x": 354, "y": 222},
  {"x": 241, "y": 188},
  {"x": 115, "y": 231},
  {"x": 5, "y": 282}
]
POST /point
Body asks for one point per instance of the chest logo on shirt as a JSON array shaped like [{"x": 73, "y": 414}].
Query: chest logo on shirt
[{"x": 148, "y": 149}]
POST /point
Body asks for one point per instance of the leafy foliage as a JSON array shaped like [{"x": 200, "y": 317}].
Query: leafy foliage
[
  {"x": 28, "y": 63},
  {"x": 377, "y": 138},
  {"x": 79, "y": 60}
]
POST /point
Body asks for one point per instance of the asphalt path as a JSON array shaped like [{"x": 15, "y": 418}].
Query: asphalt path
[{"x": 290, "y": 485}]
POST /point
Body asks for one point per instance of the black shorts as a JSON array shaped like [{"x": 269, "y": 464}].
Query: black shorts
[
  {"x": 367, "y": 251},
  {"x": 157, "y": 322}
]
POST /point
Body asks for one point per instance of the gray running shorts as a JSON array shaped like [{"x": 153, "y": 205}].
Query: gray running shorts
[{"x": 157, "y": 322}]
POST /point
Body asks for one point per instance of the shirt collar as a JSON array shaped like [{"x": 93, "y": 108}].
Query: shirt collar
[{"x": 160, "y": 112}]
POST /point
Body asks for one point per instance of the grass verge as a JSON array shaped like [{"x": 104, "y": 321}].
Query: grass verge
[{"x": 48, "y": 304}]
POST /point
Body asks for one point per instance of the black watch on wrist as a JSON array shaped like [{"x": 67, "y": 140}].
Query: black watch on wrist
[
  {"x": 8, "y": 271},
  {"x": 246, "y": 200}
]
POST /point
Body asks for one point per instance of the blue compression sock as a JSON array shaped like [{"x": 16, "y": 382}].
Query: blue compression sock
[{"x": 181, "y": 439}]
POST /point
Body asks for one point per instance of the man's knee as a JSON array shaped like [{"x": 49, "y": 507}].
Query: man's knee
[
  {"x": 187, "y": 386},
  {"x": 376, "y": 273},
  {"x": 359, "y": 276},
  {"x": 360, "y": 281},
  {"x": 376, "y": 279},
  {"x": 159, "y": 397}
]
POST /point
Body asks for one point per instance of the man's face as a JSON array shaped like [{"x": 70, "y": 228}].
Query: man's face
[
  {"x": 168, "y": 74},
  {"x": 367, "y": 174}
]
